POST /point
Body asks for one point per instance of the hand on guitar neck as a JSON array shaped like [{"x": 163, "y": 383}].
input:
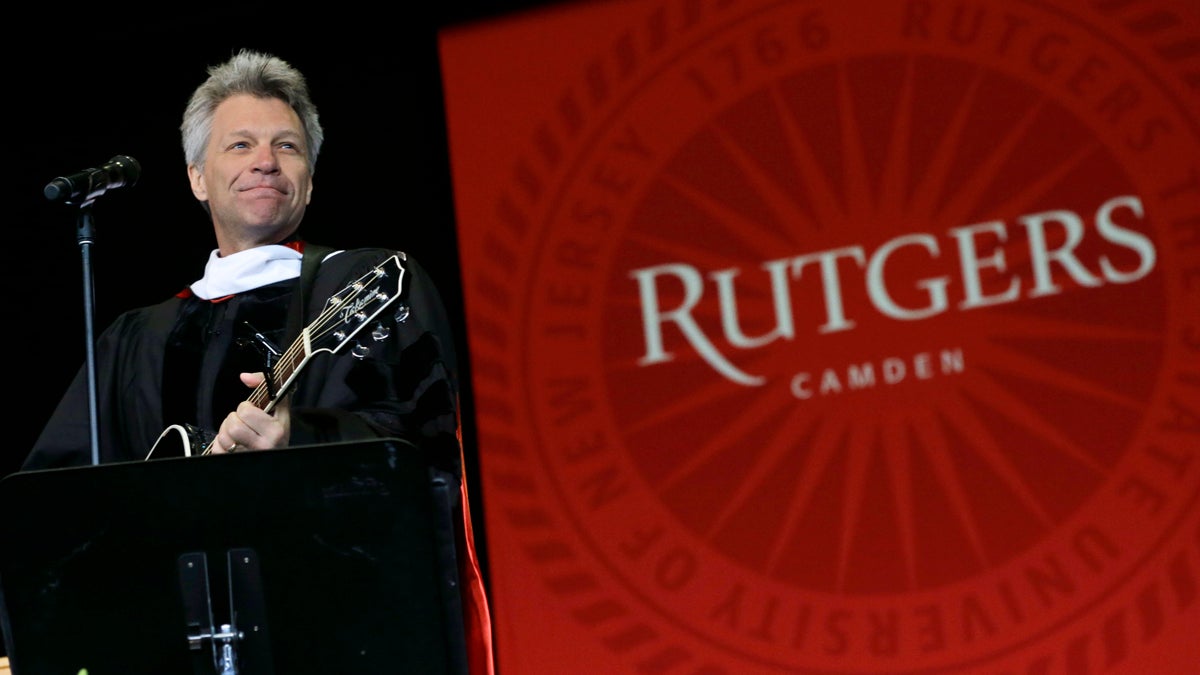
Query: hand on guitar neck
[{"x": 250, "y": 427}]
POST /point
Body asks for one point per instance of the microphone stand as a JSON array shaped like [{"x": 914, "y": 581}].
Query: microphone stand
[
  {"x": 85, "y": 228},
  {"x": 85, "y": 187}
]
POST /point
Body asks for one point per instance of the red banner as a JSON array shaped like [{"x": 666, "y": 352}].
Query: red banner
[{"x": 835, "y": 336}]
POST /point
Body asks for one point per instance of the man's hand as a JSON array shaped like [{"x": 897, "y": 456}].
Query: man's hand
[{"x": 251, "y": 428}]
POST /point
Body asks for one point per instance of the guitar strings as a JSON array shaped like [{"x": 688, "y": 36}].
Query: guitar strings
[{"x": 320, "y": 327}]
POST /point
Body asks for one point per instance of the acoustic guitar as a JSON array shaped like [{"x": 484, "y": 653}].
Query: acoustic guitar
[{"x": 344, "y": 316}]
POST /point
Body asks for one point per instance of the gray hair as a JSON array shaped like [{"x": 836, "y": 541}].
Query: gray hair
[{"x": 258, "y": 74}]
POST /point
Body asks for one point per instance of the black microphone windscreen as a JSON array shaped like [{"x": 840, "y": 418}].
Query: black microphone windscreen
[{"x": 130, "y": 170}]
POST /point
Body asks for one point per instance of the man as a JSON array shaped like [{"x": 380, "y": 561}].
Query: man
[{"x": 199, "y": 361}]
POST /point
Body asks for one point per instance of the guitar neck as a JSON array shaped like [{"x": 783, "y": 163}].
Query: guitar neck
[{"x": 283, "y": 375}]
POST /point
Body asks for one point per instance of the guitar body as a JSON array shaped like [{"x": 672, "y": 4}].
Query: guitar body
[
  {"x": 181, "y": 440},
  {"x": 346, "y": 313}
]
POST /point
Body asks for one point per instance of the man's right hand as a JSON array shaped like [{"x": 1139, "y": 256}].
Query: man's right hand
[{"x": 250, "y": 427}]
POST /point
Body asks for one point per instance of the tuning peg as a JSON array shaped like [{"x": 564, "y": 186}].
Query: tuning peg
[
  {"x": 360, "y": 351},
  {"x": 380, "y": 332}
]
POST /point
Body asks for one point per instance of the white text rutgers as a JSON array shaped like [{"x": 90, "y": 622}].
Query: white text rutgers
[{"x": 1067, "y": 229}]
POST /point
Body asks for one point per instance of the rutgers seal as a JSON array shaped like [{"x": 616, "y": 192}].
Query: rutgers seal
[{"x": 854, "y": 337}]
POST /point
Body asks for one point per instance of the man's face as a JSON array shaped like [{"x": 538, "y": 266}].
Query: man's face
[{"x": 255, "y": 178}]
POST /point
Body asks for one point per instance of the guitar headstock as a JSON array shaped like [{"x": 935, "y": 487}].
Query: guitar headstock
[
  {"x": 356, "y": 306},
  {"x": 345, "y": 315}
]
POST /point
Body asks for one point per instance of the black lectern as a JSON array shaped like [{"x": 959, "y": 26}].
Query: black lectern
[{"x": 323, "y": 559}]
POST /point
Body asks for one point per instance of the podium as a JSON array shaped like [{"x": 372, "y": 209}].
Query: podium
[{"x": 326, "y": 559}]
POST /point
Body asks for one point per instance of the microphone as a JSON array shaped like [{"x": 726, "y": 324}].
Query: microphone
[{"x": 89, "y": 184}]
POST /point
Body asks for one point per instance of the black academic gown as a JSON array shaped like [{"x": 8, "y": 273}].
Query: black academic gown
[{"x": 152, "y": 362}]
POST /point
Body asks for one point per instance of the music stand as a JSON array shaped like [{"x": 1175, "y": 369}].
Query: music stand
[{"x": 316, "y": 559}]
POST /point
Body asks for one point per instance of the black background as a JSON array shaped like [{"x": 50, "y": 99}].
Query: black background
[{"x": 86, "y": 85}]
